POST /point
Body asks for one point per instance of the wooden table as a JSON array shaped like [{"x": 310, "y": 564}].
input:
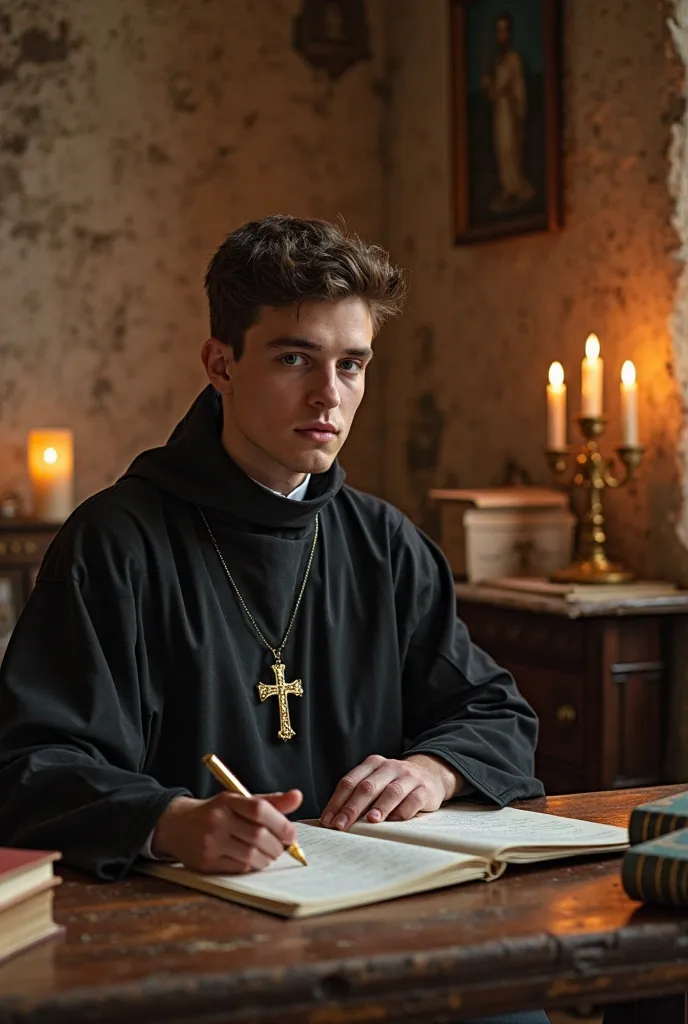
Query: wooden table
[{"x": 144, "y": 950}]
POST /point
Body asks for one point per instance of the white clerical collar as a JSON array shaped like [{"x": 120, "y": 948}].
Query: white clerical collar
[{"x": 298, "y": 494}]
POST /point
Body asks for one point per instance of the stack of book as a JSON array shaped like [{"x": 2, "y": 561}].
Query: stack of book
[
  {"x": 655, "y": 868},
  {"x": 27, "y": 881}
]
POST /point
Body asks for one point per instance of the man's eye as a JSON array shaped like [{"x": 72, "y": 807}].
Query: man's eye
[
  {"x": 291, "y": 358},
  {"x": 350, "y": 366}
]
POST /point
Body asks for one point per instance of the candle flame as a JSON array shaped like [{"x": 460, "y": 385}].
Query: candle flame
[
  {"x": 50, "y": 455},
  {"x": 556, "y": 375},
  {"x": 592, "y": 348},
  {"x": 628, "y": 374}
]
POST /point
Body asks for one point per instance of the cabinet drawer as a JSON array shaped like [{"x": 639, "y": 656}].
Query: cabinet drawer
[
  {"x": 527, "y": 636},
  {"x": 557, "y": 699},
  {"x": 19, "y": 548}
]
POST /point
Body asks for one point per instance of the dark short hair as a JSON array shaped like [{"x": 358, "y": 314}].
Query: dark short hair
[{"x": 284, "y": 261}]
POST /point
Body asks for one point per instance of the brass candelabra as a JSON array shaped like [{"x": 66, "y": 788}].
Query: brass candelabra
[{"x": 593, "y": 474}]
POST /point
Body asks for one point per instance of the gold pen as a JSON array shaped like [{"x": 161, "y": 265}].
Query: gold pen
[{"x": 230, "y": 782}]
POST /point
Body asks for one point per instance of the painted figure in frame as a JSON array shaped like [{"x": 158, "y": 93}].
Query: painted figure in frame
[
  {"x": 507, "y": 128},
  {"x": 505, "y": 85}
]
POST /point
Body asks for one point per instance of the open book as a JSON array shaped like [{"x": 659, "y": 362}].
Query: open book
[{"x": 373, "y": 862}]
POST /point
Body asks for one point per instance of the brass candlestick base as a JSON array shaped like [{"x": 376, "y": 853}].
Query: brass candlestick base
[
  {"x": 593, "y": 571},
  {"x": 593, "y": 474}
]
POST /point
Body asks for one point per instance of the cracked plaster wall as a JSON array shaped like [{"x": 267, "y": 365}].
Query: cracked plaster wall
[
  {"x": 133, "y": 135},
  {"x": 467, "y": 364}
]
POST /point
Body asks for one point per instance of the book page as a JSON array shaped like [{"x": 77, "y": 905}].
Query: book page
[
  {"x": 505, "y": 833},
  {"x": 340, "y": 864},
  {"x": 342, "y": 870}
]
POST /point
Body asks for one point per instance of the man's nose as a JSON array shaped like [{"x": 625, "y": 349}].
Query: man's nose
[{"x": 325, "y": 392}]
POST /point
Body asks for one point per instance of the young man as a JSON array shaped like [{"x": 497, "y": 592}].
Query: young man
[{"x": 230, "y": 594}]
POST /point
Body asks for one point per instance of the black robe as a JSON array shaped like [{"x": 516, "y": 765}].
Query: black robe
[{"x": 133, "y": 657}]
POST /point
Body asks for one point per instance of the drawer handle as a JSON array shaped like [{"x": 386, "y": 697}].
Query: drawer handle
[
  {"x": 566, "y": 713},
  {"x": 16, "y": 547}
]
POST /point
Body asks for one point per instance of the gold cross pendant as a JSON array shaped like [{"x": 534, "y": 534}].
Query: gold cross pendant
[{"x": 282, "y": 689}]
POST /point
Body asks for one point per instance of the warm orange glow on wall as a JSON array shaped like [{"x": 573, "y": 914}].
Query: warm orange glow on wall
[{"x": 51, "y": 471}]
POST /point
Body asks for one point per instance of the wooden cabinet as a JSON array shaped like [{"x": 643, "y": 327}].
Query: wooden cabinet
[
  {"x": 23, "y": 543},
  {"x": 596, "y": 675}
]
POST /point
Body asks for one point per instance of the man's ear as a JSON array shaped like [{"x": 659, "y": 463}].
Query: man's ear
[{"x": 218, "y": 360}]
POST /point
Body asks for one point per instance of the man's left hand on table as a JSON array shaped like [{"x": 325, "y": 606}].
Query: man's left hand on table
[{"x": 387, "y": 789}]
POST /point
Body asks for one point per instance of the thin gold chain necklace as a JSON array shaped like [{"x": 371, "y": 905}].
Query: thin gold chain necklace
[{"x": 281, "y": 688}]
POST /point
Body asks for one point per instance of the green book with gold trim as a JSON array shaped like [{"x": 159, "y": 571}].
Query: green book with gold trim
[
  {"x": 658, "y": 817},
  {"x": 657, "y": 871}
]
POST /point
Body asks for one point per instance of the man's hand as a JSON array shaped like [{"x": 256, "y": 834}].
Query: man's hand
[
  {"x": 230, "y": 834},
  {"x": 385, "y": 788}
]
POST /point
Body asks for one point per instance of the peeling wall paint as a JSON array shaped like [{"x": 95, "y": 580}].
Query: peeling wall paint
[
  {"x": 460, "y": 408},
  {"x": 133, "y": 135}
]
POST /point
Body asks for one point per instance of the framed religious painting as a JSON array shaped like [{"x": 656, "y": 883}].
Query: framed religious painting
[{"x": 506, "y": 78}]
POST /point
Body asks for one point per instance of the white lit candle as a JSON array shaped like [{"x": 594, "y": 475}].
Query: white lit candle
[
  {"x": 591, "y": 378},
  {"x": 51, "y": 470},
  {"x": 629, "y": 404},
  {"x": 556, "y": 409}
]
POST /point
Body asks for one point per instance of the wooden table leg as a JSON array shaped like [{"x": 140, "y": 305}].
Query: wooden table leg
[{"x": 664, "y": 1010}]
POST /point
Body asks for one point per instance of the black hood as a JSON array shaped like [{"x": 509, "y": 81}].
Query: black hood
[{"x": 194, "y": 466}]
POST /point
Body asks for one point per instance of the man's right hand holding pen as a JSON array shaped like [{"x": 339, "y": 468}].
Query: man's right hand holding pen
[{"x": 227, "y": 834}]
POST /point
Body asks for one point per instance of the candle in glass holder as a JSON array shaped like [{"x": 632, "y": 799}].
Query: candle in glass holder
[
  {"x": 51, "y": 471},
  {"x": 556, "y": 408},
  {"x": 629, "y": 404},
  {"x": 591, "y": 378}
]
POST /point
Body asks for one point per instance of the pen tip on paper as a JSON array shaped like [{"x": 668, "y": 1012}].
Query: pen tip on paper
[{"x": 297, "y": 853}]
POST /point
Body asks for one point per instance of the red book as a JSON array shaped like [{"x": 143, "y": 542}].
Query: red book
[{"x": 27, "y": 881}]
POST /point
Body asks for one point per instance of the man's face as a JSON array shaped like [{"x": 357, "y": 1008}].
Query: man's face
[
  {"x": 291, "y": 397},
  {"x": 503, "y": 34}
]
